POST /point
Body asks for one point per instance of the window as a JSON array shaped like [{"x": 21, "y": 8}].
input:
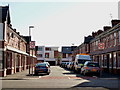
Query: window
[
  {"x": 16, "y": 58},
  {"x": 111, "y": 40},
  {"x": 110, "y": 60},
  {"x": 114, "y": 39},
  {"x": 40, "y": 48},
  {"x": 1, "y": 31},
  {"x": 118, "y": 59},
  {"x": 105, "y": 60},
  {"x": 102, "y": 61},
  {"x": 1, "y": 60},
  {"x": 93, "y": 64},
  {"x": 8, "y": 58},
  {"x": 48, "y": 49},
  {"x": 46, "y": 55},
  {"x": 12, "y": 35},
  {"x": 64, "y": 55},
  {"x": 39, "y": 55},
  {"x": 119, "y": 36}
]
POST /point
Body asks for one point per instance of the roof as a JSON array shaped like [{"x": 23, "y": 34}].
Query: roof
[{"x": 4, "y": 14}]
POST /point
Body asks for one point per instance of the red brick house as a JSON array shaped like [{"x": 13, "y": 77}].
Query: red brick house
[
  {"x": 104, "y": 47},
  {"x": 109, "y": 56},
  {"x": 14, "y": 54}
]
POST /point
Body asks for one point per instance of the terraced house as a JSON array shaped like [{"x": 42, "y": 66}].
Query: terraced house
[
  {"x": 104, "y": 47},
  {"x": 108, "y": 55},
  {"x": 14, "y": 48}
]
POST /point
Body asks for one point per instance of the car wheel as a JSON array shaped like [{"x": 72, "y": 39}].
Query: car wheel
[
  {"x": 48, "y": 73},
  {"x": 36, "y": 73}
]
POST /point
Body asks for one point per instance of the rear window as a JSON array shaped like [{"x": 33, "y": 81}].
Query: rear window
[
  {"x": 42, "y": 64},
  {"x": 93, "y": 64}
]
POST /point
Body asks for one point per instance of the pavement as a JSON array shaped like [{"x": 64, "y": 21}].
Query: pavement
[{"x": 20, "y": 75}]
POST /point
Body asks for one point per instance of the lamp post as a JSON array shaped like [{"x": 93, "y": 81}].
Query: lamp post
[{"x": 29, "y": 45}]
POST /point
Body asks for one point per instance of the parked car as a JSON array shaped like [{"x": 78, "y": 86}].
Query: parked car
[
  {"x": 66, "y": 63},
  {"x": 47, "y": 63},
  {"x": 90, "y": 67},
  {"x": 42, "y": 68},
  {"x": 62, "y": 64},
  {"x": 80, "y": 59},
  {"x": 71, "y": 66}
]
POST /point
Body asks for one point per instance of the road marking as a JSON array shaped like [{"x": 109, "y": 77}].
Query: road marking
[
  {"x": 30, "y": 78},
  {"x": 68, "y": 77},
  {"x": 74, "y": 77},
  {"x": 54, "y": 77},
  {"x": 39, "y": 76}
]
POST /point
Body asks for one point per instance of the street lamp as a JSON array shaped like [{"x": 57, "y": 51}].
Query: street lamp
[
  {"x": 30, "y": 30},
  {"x": 29, "y": 45}
]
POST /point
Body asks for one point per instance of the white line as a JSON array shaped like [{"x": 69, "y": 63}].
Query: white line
[{"x": 68, "y": 77}]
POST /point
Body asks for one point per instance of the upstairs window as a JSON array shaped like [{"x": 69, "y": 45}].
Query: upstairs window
[
  {"x": 114, "y": 39},
  {"x": 119, "y": 36},
  {"x": 46, "y": 55},
  {"x": 40, "y": 49},
  {"x": 48, "y": 49}
]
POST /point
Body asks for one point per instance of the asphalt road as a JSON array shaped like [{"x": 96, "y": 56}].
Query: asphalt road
[{"x": 59, "y": 78}]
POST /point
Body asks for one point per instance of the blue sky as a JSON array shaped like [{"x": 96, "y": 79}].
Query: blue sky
[{"x": 61, "y": 23}]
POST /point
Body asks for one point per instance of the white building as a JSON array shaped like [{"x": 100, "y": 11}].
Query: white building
[{"x": 47, "y": 54}]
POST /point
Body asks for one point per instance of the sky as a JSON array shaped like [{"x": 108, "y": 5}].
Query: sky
[{"x": 61, "y": 23}]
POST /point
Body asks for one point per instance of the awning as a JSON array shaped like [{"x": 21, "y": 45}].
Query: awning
[{"x": 16, "y": 50}]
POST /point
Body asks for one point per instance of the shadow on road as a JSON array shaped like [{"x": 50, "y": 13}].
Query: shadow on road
[
  {"x": 106, "y": 80},
  {"x": 42, "y": 74}
]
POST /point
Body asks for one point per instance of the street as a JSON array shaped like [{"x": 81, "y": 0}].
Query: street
[{"x": 59, "y": 78}]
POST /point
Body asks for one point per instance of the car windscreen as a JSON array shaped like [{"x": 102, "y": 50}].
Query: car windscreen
[
  {"x": 81, "y": 61},
  {"x": 93, "y": 64}
]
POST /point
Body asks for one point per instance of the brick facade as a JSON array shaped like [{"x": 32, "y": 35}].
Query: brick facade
[
  {"x": 109, "y": 57},
  {"x": 14, "y": 52}
]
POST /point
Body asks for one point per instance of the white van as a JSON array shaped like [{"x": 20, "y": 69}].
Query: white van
[{"x": 80, "y": 59}]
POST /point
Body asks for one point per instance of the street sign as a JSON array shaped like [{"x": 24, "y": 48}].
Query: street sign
[
  {"x": 32, "y": 44},
  {"x": 101, "y": 45}
]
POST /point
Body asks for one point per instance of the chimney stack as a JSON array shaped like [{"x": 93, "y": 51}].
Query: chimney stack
[
  {"x": 105, "y": 28},
  {"x": 93, "y": 34},
  {"x": 18, "y": 33},
  {"x": 115, "y": 22},
  {"x": 99, "y": 32}
]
